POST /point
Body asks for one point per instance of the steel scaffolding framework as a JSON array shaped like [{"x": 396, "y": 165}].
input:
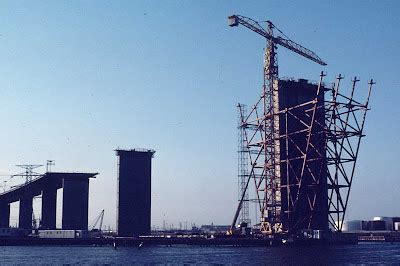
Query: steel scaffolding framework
[
  {"x": 345, "y": 120},
  {"x": 305, "y": 173},
  {"x": 333, "y": 130},
  {"x": 243, "y": 172},
  {"x": 263, "y": 120}
]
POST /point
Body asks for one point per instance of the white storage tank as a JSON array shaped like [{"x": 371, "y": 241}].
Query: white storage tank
[
  {"x": 396, "y": 220},
  {"x": 388, "y": 222},
  {"x": 397, "y": 226},
  {"x": 354, "y": 225}
]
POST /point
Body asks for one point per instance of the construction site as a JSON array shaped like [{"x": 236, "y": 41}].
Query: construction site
[{"x": 298, "y": 146}]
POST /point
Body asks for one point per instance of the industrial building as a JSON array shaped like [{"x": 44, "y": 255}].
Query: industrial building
[
  {"x": 75, "y": 200},
  {"x": 134, "y": 192}
]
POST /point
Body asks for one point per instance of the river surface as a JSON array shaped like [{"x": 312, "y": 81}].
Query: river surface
[{"x": 348, "y": 254}]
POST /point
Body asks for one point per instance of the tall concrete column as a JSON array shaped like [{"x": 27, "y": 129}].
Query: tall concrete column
[
  {"x": 25, "y": 211},
  {"x": 4, "y": 214},
  {"x": 134, "y": 192},
  {"x": 49, "y": 205},
  {"x": 75, "y": 203}
]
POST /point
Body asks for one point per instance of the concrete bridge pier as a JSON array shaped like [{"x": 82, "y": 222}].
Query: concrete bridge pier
[
  {"x": 75, "y": 203},
  {"x": 25, "y": 211},
  {"x": 49, "y": 205},
  {"x": 4, "y": 214}
]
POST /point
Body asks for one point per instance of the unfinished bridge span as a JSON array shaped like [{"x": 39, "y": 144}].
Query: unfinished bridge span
[{"x": 75, "y": 200}]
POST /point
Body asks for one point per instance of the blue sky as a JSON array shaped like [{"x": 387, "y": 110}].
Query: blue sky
[{"x": 81, "y": 78}]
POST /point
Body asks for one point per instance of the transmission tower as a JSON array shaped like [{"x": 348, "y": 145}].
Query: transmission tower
[{"x": 29, "y": 174}]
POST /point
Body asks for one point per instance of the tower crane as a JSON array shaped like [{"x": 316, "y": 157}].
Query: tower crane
[
  {"x": 265, "y": 165},
  {"x": 274, "y": 40}
]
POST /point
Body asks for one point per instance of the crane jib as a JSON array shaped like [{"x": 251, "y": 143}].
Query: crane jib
[{"x": 253, "y": 25}]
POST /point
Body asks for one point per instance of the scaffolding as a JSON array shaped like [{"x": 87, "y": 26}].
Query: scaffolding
[
  {"x": 301, "y": 151},
  {"x": 261, "y": 136},
  {"x": 262, "y": 127},
  {"x": 243, "y": 171},
  {"x": 315, "y": 155},
  {"x": 345, "y": 119}
]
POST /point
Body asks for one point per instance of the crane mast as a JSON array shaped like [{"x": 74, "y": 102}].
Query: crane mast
[{"x": 264, "y": 158}]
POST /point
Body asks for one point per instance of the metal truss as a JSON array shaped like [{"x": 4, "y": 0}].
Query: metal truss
[
  {"x": 29, "y": 174},
  {"x": 345, "y": 119},
  {"x": 302, "y": 176},
  {"x": 261, "y": 127},
  {"x": 301, "y": 158},
  {"x": 260, "y": 137},
  {"x": 243, "y": 164}
]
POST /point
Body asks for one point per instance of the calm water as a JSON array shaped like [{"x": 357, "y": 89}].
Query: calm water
[{"x": 363, "y": 253}]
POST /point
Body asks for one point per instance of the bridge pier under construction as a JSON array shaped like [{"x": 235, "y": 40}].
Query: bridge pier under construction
[
  {"x": 49, "y": 204},
  {"x": 26, "y": 210},
  {"x": 4, "y": 214},
  {"x": 75, "y": 201}
]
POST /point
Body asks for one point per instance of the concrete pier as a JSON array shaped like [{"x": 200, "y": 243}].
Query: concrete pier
[
  {"x": 49, "y": 205},
  {"x": 75, "y": 203},
  {"x": 25, "y": 211},
  {"x": 4, "y": 214},
  {"x": 134, "y": 192}
]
